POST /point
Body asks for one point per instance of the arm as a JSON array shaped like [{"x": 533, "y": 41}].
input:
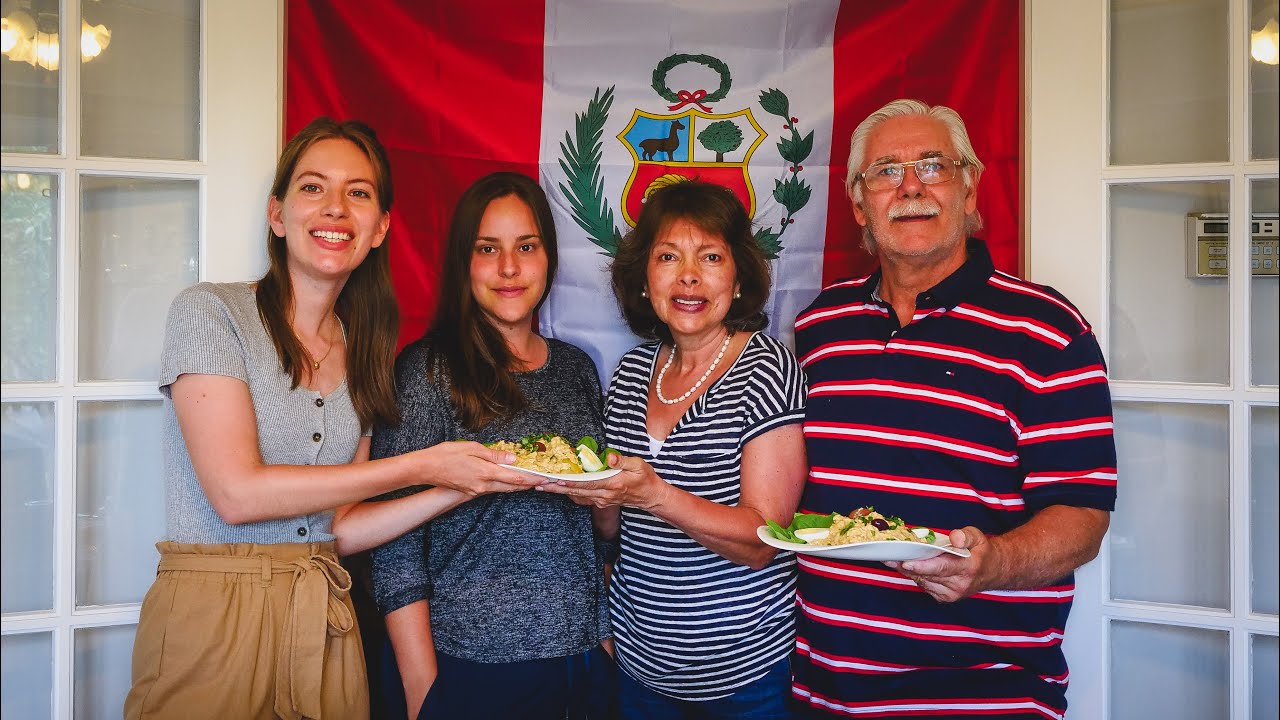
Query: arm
[
  {"x": 774, "y": 467},
  {"x": 606, "y": 521},
  {"x": 409, "y": 629},
  {"x": 1068, "y": 456},
  {"x": 220, "y": 430},
  {"x": 1055, "y": 542},
  {"x": 773, "y": 472},
  {"x": 364, "y": 525}
]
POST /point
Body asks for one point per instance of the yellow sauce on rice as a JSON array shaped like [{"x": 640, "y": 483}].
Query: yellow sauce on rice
[
  {"x": 847, "y": 530},
  {"x": 559, "y": 456}
]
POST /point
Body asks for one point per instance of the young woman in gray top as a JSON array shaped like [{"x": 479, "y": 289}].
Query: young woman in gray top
[
  {"x": 270, "y": 392},
  {"x": 505, "y": 591}
]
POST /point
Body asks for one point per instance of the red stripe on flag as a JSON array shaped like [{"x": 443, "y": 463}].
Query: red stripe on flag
[
  {"x": 446, "y": 113},
  {"x": 965, "y": 54}
]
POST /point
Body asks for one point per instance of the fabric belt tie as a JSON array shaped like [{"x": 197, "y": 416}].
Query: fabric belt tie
[{"x": 315, "y": 610}]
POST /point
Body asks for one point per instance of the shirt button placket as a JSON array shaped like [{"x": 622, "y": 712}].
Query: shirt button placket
[
  {"x": 317, "y": 434},
  {"x": 316, "y": 437}
]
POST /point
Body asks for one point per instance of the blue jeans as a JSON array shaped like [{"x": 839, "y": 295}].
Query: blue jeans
[{"x": 765, "y": 699}]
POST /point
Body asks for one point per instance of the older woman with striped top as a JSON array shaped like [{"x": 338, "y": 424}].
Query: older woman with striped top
[{"x": 708, "y": 420}]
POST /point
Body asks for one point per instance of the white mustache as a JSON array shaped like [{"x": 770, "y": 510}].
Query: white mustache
[{"x": 914, "y": 208}]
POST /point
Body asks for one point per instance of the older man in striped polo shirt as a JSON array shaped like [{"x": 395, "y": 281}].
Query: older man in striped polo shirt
[{"x": 959, "y": 398}]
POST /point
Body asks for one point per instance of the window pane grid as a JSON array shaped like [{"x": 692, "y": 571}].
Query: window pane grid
[{"x": 1245, "y": 393}]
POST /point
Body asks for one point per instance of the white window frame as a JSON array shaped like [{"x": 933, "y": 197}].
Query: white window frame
[
  {"x": 1067, "y": 228},
  {"x": 241, "y": 76}
]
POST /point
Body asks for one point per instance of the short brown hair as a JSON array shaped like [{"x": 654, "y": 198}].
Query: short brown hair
[{"x": 713, "y": 209}]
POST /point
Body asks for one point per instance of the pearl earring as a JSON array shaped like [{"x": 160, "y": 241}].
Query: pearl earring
[
  {"x": 644, "y": 293},
  {"x": 737, "y": 294}
]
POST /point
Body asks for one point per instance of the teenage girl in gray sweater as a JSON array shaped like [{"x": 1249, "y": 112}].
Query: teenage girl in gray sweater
[{"x": 496, "y": 608}]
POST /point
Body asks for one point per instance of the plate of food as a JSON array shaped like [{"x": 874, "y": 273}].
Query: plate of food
[
  {"x": 555, "y": 457},
  {"x": 863, "y": 534}
]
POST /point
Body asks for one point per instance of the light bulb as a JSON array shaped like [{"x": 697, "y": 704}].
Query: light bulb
[
  {"x": 93, "y": 40},
  {"x": 46, "y": 50},
  {"x": 8, "y": 38},
  {"x": 24, "y": 181},
  {"x": 1263, "y": 44}
]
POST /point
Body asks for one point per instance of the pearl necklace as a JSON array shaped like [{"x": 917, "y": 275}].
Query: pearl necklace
[{"x": 657, "y": 385}]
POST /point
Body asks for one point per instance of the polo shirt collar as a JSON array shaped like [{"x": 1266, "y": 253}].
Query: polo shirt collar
[
  {"x": 961, "y": 284},
  {"x": 953, "y": 289}
]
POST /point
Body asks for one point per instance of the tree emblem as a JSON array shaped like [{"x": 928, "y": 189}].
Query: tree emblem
[{"x": 721, "y": 137}]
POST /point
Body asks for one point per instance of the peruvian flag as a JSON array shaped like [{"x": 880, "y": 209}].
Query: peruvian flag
[{"x": 604, "y": 100}]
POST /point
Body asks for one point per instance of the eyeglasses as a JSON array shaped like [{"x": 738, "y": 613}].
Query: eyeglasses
[{"x": 930, "y": 171}]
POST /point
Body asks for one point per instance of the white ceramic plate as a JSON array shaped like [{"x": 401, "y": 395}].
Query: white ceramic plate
[
  {"x": 880, "y": 550},
  {"x": 573, "y": 477}
]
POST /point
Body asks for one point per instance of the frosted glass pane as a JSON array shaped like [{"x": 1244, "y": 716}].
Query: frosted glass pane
[
  {"x": 31, "y": 81},
  {"x": 1165, "y": 326},
  {"x": 1169, "y": 81},
  {"x": 1266, "y": 666},
  {"x": 103, "y": 662},
  {"x": 26, "y": 676},
  {"x": 1264, "y": 80},
  {"x": 1170, "y": 534},
  {"x": 139, "y": 246},
  {"x": 119, "y": 500},
  {"x": 141, "y": 97},
  {"x": 1264, "y": 295},
  {"x": 1169, "y": 672},
  {"x": 1264, "y": 506},
  {"x": 27, "y": 481},
  {"x": 28, "y": 276}
]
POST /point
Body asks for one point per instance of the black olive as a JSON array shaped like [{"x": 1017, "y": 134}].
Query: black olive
[
  {"x": 539, "y": 446},
  {"x": 879, "y": 524}
]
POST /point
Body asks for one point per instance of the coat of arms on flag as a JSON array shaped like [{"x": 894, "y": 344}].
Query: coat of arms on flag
[{"x": 693, "y": 142}]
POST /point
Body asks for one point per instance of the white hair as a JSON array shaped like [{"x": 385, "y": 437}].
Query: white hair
[{"x": 905, "y": 107}]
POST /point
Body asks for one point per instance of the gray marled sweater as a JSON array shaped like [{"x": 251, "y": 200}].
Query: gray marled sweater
[{"x": 509, "y": 576}]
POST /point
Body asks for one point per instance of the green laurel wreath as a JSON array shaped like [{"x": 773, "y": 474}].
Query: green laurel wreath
[
  {"x": 581, "y": 163},
  {"x": 791, "y": 192},
  {"x": 671, "y": 61}
]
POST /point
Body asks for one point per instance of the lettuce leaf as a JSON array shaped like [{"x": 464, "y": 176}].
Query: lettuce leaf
[
  {"x": 782, "y": 533},
  {"x": 812, "y": 520}
]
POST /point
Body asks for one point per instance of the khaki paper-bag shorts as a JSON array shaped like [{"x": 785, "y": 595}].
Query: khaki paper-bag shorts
[{"x": 248, "y": 631}]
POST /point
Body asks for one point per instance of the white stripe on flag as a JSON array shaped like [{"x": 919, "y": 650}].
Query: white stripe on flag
[{"x": 592, "y": 46}]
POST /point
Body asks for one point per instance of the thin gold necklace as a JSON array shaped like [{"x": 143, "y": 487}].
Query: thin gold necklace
[{"x": 315, "y": 364}]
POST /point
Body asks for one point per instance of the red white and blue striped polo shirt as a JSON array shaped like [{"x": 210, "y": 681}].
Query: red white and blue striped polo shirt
[{"x": 991, "y": 404}]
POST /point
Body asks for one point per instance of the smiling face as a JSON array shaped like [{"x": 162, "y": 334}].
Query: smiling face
[
  {"x": 915, "y": 221},
  {"x": 508, "y": 264},
  {"x": 691, "y": 281},
  {"x": 330, "y": 216}
]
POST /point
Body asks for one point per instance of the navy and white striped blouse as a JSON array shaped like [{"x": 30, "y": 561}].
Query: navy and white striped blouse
[{"x": 687, "y": 622}]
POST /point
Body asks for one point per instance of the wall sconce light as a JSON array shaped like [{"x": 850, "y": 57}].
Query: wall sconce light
[
  {"x": 34, "y": 39},
  {"x": 1264, "y": 45}
]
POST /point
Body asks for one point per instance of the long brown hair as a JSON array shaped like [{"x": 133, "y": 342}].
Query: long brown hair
[
  {"x": 464, "y": 342},
  {"x": 367, "y": 303}
]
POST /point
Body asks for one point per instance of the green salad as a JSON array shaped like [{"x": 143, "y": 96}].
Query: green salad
[{"x": 861, "y": 525}]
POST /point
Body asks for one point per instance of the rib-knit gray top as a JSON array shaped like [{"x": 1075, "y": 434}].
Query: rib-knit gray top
[
  {"x": 215, "y": 329},
  {"x": 509, "y": 576}
]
